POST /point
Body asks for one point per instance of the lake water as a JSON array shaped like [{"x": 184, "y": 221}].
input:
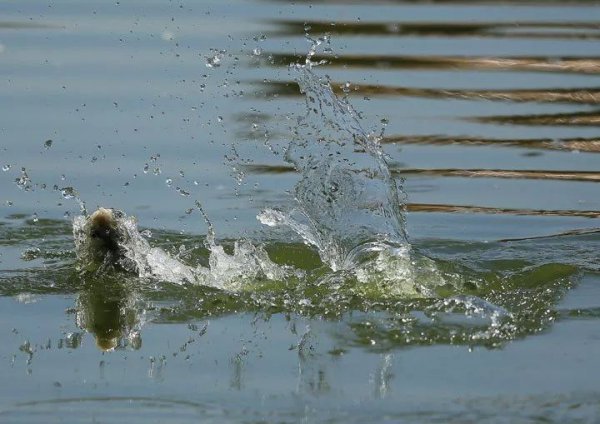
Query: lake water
[{"x": 181, "y": 112}]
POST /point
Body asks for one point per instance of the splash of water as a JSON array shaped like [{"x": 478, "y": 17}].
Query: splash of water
[
  {"x": 347, "y": 204},
  {"x": 231, "y": 272}
]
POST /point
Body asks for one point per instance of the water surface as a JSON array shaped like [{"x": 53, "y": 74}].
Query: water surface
[{"x": 487, "y": 112}]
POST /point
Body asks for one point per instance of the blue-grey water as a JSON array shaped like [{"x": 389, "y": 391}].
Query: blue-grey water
[{"x": 487, "y": 112}]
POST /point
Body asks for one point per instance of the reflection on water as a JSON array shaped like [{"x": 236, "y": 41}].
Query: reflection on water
[{"x": 110, "y": 310}]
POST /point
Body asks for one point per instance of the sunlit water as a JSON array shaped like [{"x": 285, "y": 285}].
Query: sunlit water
[{"x": 289, "y": 262}]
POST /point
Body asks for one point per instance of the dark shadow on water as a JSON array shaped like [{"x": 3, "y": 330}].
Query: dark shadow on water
[
  {"x": 562, "y": 64},
  {"x": 517, "y": 29},
  {"x": 591, "y": 119},
  {"x": 588, "y": 145},
  {"x": 587, "y": 176},
  {"x": 551, "y": 95}
]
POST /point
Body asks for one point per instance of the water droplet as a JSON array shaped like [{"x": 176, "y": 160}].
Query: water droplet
[
  {"x": 220, "y": 118},
  {"x": 182, "y": 191},
  {"x": 23, "y": 182},
  {"x": 26, "y": 347},
  {"x": 48, "y": 144},
  {"x": 68, "y": 192},
  {"x": 146, "y": 168},
  {"x": 6, "y": 168},
  {"x": 257, "y": 51},
  {"x": 35, "y": 218},
  {"x": 214, "y": 61},
  {"x": 169, "y": 182}
]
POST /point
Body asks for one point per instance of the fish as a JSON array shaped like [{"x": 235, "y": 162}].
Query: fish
[{"x": 101, "y": 241}]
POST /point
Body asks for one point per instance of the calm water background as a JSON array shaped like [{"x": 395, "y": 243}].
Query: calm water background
[{"x": 490, "y": 112}]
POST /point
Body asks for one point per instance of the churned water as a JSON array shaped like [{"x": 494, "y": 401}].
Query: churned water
[{"x": 340, "y": 212}]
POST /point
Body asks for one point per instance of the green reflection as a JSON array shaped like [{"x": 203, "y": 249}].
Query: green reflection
[{"x": 108, "y": 307}]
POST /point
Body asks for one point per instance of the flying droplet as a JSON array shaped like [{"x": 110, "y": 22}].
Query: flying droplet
[
  {"x": 214, "y": 61},
  {"x": 68, "y": 192},
  {"x": 182, "y": 191},
  {"x": 23, "y": 182}
]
